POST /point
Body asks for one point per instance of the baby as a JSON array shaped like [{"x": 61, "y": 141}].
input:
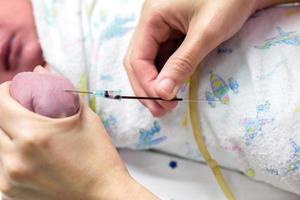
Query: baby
[
  {"x": 19, "y": 46},
  {"x": 249, "y": 86}
]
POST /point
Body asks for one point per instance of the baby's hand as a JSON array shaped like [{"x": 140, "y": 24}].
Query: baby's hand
[{"x": 43, "y": 93}]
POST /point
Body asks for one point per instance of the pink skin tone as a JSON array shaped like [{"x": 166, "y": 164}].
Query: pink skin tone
[
  {"x": 20, "y": 51},
  {"x": 19, "y": 46},
  {"x": 44, "y": 93}
]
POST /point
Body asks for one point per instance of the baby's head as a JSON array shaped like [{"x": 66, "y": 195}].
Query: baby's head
[
  {"x": 44, "y": 93},
  {"x": 19, "y": 46}
]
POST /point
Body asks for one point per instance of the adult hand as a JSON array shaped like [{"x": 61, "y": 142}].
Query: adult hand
[
  {"x": 174, "y": 36},
  {"x": 59, "y": 159},
  {"x": 19, "y": 46}
]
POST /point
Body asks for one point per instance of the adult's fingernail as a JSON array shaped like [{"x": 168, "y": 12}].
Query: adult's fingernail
[{"x": 167, "y": 85}]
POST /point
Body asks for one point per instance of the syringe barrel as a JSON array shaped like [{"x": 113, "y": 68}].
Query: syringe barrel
[
  {"x": 99, "y": 93},
  {"x": 111, "y": 94}
]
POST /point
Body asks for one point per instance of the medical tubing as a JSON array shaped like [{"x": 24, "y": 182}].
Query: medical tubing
[{"x": 193, "y": 109}]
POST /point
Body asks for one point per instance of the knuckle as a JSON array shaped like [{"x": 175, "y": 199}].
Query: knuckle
[
  {"x": 6, "y": 189},
  {"x": 94, "y": 117},
  {"x": 135, "y": 67},
  {"x": 16, "y": 172},
  {"x": 28, "y": 142},
  {"x": 154, "y": 108},
  {"x": 134, "y": 63},
  {"x": 43, "y": 140},
  {"x": 158, "y": 112},
  {"x": 152, "y": 5},
  {"x": 210, "y": 32},
  {"x": 168, "y": 105},
  {"x": 155, "y": 19},
  {"x": 154, "y": 8},
  {"x": 34, "y": 142},
  {"x": 183, "y": 65},
  {"x": 154, "y": 13},
  {"x": 147, "y": 4},
  {"x": 208, "y": 29}
]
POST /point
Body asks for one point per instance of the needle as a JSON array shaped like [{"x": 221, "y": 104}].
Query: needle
[{"x": 116, "y": 95}]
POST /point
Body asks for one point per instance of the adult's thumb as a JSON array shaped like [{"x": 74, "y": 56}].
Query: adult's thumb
[{"x": 179, "y": 67}]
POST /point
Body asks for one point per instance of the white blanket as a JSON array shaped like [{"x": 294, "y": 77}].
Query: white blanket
[
  {"x": 193, "y": 181},
  {"x": 251, "y": 116}
]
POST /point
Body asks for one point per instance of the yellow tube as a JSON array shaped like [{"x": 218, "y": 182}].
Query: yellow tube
[{"x": 193, "y": 108}]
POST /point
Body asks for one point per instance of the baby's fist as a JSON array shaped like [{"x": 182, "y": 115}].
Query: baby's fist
[{"x": 44, "y": 93}]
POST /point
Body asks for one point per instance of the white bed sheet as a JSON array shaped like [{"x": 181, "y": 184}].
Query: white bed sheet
[{"x": 193, "y": 181}]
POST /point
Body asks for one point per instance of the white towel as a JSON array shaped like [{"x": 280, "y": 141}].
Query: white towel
[{"x": 251, "y": 83}]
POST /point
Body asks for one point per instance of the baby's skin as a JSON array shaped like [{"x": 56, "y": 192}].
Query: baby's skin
[{"x": 44, "y": 93}]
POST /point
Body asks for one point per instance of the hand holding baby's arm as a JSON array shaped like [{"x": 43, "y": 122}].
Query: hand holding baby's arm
[{"x": 67, "y": 158}]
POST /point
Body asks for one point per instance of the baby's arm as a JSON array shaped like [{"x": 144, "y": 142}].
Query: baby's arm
[{"x": 43, "y": 93}]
